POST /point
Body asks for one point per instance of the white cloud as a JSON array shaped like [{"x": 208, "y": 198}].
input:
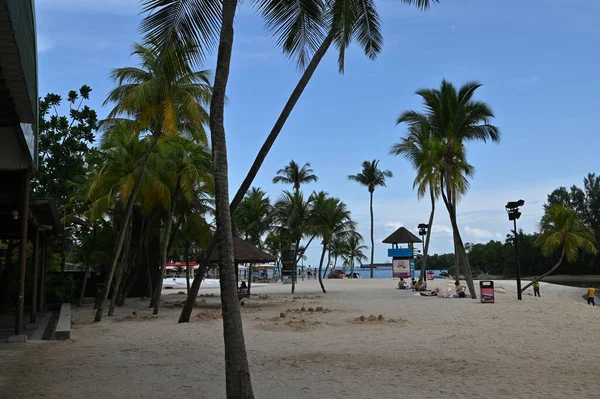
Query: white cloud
[
  {"x": 393, "y": 225},
  {"x": 441, "y": 228},
  {"x": 479, "y": 234}
]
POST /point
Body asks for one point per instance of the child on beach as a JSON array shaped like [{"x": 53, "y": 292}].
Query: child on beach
[
  {"x": 591, "y": 294},
  {"x": 536, "y": 288}
]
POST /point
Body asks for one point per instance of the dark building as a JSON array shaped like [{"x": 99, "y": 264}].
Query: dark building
[{"x": 21, "y": 218}]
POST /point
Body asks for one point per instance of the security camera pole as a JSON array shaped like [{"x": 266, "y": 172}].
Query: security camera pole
[{"x": 513, "y": 214}]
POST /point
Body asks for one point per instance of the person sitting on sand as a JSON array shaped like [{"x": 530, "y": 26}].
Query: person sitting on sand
[
  {"x": 401, "y": 284},
  {"x": 460, "y": 290},
  {"x": 413, "y": 283},
  {"x": 422, "y": 286}
]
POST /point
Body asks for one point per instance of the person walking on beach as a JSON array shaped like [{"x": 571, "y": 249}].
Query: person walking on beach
[
  {"x": 591, "y": 294},
  {"x": 309, "y": 272},
  {"x": 302, "y": 274},
  {"x": 536, "y": 289}
]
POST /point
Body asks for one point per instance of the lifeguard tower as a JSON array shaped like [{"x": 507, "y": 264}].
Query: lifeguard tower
[{"x": 403, "y": 259}]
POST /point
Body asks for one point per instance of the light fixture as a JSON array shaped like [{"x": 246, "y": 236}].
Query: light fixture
[
  {"x": 15, "y": 214},
  {"x": 512, "y": 208}
]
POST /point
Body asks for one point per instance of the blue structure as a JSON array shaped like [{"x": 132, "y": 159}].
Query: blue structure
[{"x": 398, "y": 255}]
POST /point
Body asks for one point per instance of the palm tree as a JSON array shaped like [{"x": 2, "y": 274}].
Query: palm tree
[
  {"x": 188, "y": 165},
  {"x": 295, "y": 175},
  {"x": 455, "y": 118},
  {"x": 420, "y": 148},
  {"x": 563, "y": 231},
  {"x": 160, "y": 99},
  {"x": 293, "y": 214},
  {"x": 330, "y": 218},
  {"x": 298, "y": 27},
  {"x": 253, "y": 219},
  {"x": 371, "y": 177},
  {"x": 353, "y": 251}
]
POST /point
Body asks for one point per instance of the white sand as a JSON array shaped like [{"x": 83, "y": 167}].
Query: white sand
[{"x": 433, "y": 348}]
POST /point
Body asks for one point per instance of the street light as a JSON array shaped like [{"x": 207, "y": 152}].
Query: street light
[
  {"x": 512, "y": 208},
  {"x": 423, "y": 232}
]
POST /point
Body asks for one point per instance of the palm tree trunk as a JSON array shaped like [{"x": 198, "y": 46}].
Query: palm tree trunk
[
  {"x": 186, "y": 312},
  {"x": 165, "y": 251},
  {"x": 119, "y": 271},
  {"x": 135, "y": 264},
  {"x": 187, "y": 267},
  {"x": 372, "y": 239},
  {"x": 87, "y": 269},
  {"x": 84, "y": 284},
  {"x": 460, "y": 253},
  {"x": 237, "y": 371},
  {"x": 549, "y": 272},
  {"x": 249, "y": 278},
  {"x": 121, "y": 239},
  {"x": 321, "y": 267},
  {"x": 296, "y": 246},
  {"x": 149, "y": 290},
  {"x": 428, "y": 236},
  {"x": 190, "y": 301}
]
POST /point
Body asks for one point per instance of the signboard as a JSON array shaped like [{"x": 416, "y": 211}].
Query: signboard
[{"x": 401, "y": 267}]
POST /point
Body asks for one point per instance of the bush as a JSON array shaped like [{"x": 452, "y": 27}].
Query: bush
[{"x": 61, "y": 290}]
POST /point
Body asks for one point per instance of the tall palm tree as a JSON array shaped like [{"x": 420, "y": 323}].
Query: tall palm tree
[
  {"x": 298, "y": 26},
  {"x": 295, "y": 175},
  {"x": 420, "y": 148},
  {"x": 188, "y": 165},
  {"x": 353, "y": 251},
  {"x": 160, "y": 99},
  {"x": 253, "y": 219},
  {"x": 563, "y": 231},
  {"x": 455, "y": 119},
  {"x": 292, "y": 212},
  {"x": 330, "y": 218},
  {"x": 371, "y": 177}
]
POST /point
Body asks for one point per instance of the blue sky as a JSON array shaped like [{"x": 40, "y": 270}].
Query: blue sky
[{"x": 538, "y": 62}]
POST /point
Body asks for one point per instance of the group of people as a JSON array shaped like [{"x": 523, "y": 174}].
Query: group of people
[
  {"x": 422, "y": 288},
  {"x": 309, "y": 272},
  {"x": 414, "y": 285}
]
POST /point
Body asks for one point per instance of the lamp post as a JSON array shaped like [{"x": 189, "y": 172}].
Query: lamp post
[
  {"x": 512, "y": 208},
  {"x": 423, "y": 232}
]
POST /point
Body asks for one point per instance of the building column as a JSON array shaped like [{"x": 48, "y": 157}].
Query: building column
[
  {"x": 42, "y": 286},
  {"x": 22, "y": 255},
  {"x": 34, "y": 289}
]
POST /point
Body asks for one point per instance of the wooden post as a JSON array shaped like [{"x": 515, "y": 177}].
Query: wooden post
[
  {"x": 24, "y": 215},
  {"x": 36, "y": 250},
  {"x": 42, "y": 290}
]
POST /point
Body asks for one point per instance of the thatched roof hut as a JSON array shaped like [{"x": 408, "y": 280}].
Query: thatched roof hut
[
  {"x": 244, "y": 252},
  {"x": 401, "y": 236}
]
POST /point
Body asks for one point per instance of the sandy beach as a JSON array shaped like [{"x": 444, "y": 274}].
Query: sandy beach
[{"x": 418, "y": 348}]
